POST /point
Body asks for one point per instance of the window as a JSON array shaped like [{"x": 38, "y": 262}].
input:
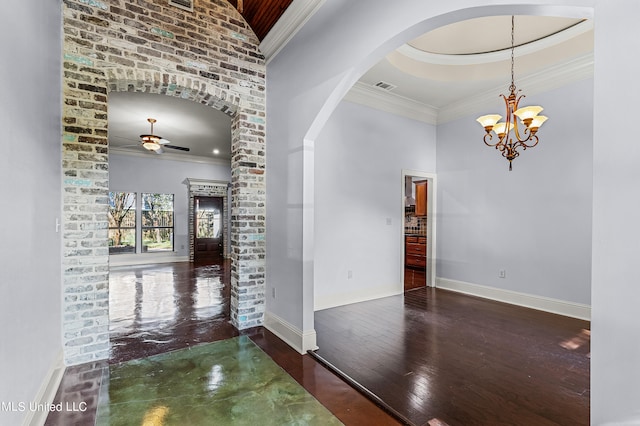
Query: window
[
  {"x": 122, "y": 222},
  {"x": 157, "y": 222}
]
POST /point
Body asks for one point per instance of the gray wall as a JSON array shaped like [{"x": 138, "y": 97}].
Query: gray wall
[
  {"x": 615, "y": 348},
  {"x": 534, "y": 221},
  {"x": 30, "y": 119},
  {"x": 317, "y": 67},
  {"x": 359, "y": 157},
  {"x": 141, "y": 174}
]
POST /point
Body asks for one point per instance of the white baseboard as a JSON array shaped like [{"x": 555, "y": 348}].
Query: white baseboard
[
  {"x": 290, "y": 334},
  {"x": 46, "y": 393},
  {"x": 145, "y": 259},
  {"x": 547, "y": 304},
  {"x": 342, "y": 299}
]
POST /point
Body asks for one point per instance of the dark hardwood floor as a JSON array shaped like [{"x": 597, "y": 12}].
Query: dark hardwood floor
[
  {"x": 160, "y": 308},
  {"x": 438, "y": 357}
]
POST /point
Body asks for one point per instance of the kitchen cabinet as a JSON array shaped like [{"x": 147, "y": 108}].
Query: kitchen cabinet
[
  {"x": 415, "y": 261},
  {"x": 421, "y": 198},
  {"x": 416, "y": 251}
]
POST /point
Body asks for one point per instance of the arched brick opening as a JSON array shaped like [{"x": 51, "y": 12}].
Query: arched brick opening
[{"x": 154, "y": 49}]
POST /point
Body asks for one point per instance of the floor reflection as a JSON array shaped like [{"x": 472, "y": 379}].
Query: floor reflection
[
  {"x": 172, "y": 306},
  {"x": 231, "y": 382},
  {"x": 158, "y": 309}
]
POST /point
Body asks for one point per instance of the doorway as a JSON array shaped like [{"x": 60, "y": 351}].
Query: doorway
[
  {"x": 208, "y": 219},
  {"x": 418, "y": 232}
]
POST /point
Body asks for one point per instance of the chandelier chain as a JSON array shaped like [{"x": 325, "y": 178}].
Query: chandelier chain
[{"x": 512, "y": 88}]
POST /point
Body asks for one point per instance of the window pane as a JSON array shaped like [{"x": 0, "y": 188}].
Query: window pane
[
  {"x": 122, "y": 240},
  {"x": 208, "y": 223},
  {"x": 157, "y": 239},
  {"x": 157, "y": 210},
  {"x": 122, "y": 222},
  {"x": 157, "y": 222}
]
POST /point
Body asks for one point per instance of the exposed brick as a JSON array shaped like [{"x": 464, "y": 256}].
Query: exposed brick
[{"x": 210, "y": 57}]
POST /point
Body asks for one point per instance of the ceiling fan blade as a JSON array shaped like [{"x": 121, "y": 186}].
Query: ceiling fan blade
[
  {"x": 179, "y": 148},
  {"x": 163, "y": 141},
  {"x": 158, "y": 151}
]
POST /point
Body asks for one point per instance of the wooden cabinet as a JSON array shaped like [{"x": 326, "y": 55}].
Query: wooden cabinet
[
  {"x": 415, "y": 253},
  {"x": 415, "y": 261},
  {"x": 421, "y": 197}
]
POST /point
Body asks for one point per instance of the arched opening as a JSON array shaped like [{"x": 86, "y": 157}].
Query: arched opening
[
  {"x": 465, "y": 201},
  {"x": 151, "y": 59}
]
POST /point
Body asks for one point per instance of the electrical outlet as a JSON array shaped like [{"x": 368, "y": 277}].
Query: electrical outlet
[
  {"x": 273, "y": 292},
  {"x": 349, "y": 274},
  {"x": 502, "y": 273},
  {"x": 388, "y": 221}
]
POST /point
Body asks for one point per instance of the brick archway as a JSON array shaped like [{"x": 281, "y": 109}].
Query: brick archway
[{"x": 99, "y": 60}]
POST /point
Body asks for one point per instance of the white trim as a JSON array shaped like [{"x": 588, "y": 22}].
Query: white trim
[
  {"x": 130, "y": 259},
  {"x": 374, "y": 97},
  {"x": 432, "y": 209},
  {"x": 293, "y": 18},
  {"x": 46, "y": 393},
  {"x": 357, "y": 296},
  {"x": 290, "y": 334},
  {"x": 501, "y": 55},
  {"x": 541, "y": 303},
  {"x": 169, "y": 156},
  {"x": 550, "y": 78}
]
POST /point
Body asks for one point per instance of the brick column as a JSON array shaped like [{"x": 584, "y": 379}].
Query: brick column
[
  {"x": 85, "y": 205},
  {"x": 248, "y": 215}
]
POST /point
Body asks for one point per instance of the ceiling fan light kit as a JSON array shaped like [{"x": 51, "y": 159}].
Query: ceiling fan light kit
[
  {"x": 528, "y": 117},
  {"x": 155, "y": 143}
]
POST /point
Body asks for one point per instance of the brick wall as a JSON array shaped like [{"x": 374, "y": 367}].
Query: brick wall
[{"x": 209, "y": 56}]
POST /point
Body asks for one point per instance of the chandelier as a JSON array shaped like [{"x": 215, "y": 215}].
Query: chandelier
[{"x": 508, "y": 129}]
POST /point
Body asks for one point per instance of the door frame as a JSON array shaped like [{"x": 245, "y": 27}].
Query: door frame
[
  {"x": 432, "y": 190},
  {"x": 210, "y": 188},
  {"x": 220, "y": 249}
]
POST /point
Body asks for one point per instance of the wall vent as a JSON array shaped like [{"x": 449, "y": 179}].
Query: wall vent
[
  {"x": 385, "y": 86},
  {"x": 183, "y": 4}
]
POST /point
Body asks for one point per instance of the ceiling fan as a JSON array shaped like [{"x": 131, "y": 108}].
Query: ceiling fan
[{"x": 156, "y": 143}]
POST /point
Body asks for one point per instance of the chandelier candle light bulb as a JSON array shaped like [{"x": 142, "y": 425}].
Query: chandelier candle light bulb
[{"x": 508, "y": 143}]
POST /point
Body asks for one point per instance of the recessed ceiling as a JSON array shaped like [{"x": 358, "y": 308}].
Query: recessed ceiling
[
  {"x": 183, "y": 122},
  {"x": 489, "y": 34},
  {"x": 451, "y": 63}
]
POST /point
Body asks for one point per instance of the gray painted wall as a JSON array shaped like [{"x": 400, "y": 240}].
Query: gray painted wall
[
  {"x": 30, "y": 175},
  {"x": 534, "y": 221},
  {"x": 312, "y": 73},
  {"x": 359, "y": 157},
  {"x": 140, "y": 174}
]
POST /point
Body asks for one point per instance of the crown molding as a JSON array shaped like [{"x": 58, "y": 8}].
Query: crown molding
[
  {"x": 293, "y": 18},
  {"x": 549, "y": 78},
  {"x": 373, "y": 97},
  {"x": 170, "y": 156}
]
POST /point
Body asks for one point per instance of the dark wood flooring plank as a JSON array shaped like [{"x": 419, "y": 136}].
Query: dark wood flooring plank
[{"x": 434, "y": 354}]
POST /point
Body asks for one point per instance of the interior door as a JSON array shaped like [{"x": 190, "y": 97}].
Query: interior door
[{"x": 208, "y": 217}]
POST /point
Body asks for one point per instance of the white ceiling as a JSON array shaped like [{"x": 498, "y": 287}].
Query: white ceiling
[
  {"x": 436, "y": 76},
  {"x": 183, "y": 122}
]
